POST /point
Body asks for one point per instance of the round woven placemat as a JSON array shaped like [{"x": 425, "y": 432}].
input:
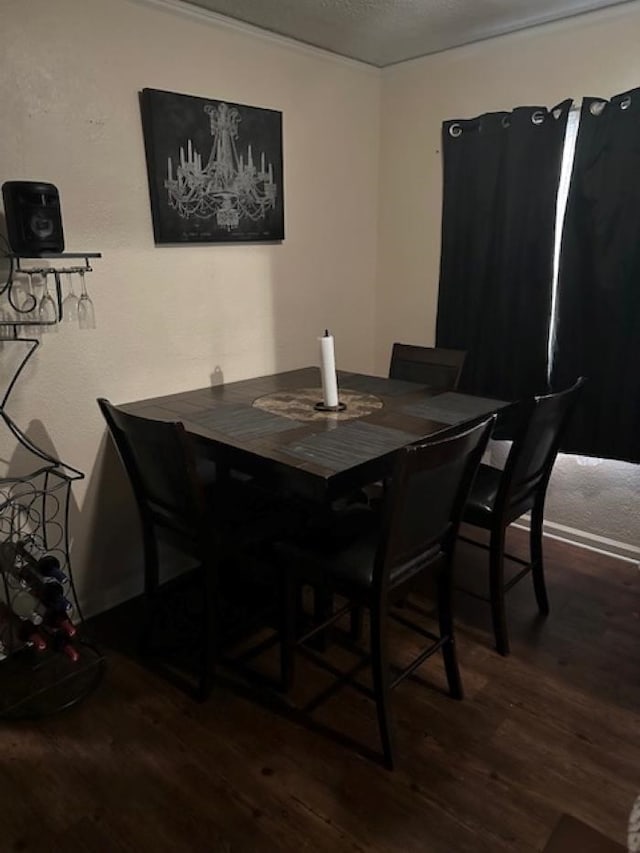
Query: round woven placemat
[{"x": 298, "y": 404}]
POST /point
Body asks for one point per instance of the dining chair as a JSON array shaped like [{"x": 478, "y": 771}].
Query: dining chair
[
  {"x": 435, "y": 366},
  {"x": 414, "y": 535},
  {"x": 499, "y": 497},
  {"x": 219, "y": 524}
]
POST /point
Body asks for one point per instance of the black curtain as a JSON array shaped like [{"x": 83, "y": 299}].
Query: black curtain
[
  {"x": 598, "y": 303},
  {"x": 501, "y": 175}
]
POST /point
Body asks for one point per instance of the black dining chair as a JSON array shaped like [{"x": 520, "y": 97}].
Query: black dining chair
[
  {"x": 434, "y": 366},
  {"x": 500, "y": 497},
  {"x": 220, "y": 525},
  {"x": 415, "y": 535}
]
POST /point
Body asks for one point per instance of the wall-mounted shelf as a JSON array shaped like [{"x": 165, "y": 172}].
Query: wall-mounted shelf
[
  {"x": 63, "y": 255},
  {"x": 29, "y": 311}
]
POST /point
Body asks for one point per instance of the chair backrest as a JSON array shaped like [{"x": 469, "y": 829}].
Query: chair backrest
[
  {"x": 160, "y": 463},
  {"x": 434, "y": 366},
  {"x": 534, "y": 450},
  {"x": 425, "y": 500}
]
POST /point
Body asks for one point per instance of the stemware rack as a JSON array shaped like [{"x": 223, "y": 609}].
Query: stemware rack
[
  {"x": 43, "y": 669},
  {"x": 23, "y": 314}
]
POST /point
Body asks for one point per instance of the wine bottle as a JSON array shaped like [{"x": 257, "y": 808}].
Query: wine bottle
[
  {"x": 49, "y": 567},
  {"x": 30, "y": 636},
  {"x": 23, "y": 629},
  {"x": 50, "y": 594},
  {"x": 69, "y": 650},
  {"x": 27, "y": 607},
  {"x": 59, "y": 604},
  {"x": 59, "y": 622},
  {"x": 46, "y": 568},
  {"x": 32, "y": 579}
]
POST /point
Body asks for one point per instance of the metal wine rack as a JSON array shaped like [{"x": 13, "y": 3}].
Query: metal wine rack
[{"x": 34, "y": 522}]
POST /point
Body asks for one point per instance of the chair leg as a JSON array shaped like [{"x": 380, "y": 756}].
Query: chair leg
[
  {"x": 322, "y": 609},
  {"x": 496, "y": 590},
  {"x": 288, "y": 623},
  {"x": 209, "y": 650},
  {"x": 381, "y": 681},
  {"x": 445, "y": 618},
  {"x": 355, "y": 628},
  {"x": 537, "y": 564},
  {"x": 207, "y": 657},
  {"x": 150, "y": 591},
  {"x": 299, "y": 605}
]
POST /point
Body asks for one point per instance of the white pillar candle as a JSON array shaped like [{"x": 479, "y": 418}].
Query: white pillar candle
[
  {"x": 328, "y": 370},
  {"x": 169, "y": 169},
  {"x": 189, "y": 151},
  {"x": 182, "y": 157},
  {"x": 262, "y": 162}
]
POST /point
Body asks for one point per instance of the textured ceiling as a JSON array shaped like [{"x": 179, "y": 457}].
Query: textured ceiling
[{"x": 382, "y": 32}]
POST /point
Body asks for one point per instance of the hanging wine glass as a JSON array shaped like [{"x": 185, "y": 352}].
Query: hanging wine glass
[
  {"x": 29, "y": 301},
  {"x": 21, "y": 296},
  {"x": 86, "y": 311},
  {"x": 48, "y": 311},
  {"x": 29, "y": 308},
  {"x": 70, "y": 302}
]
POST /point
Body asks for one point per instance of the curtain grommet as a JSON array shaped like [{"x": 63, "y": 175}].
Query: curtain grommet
[
  {"x": 625, "y": 103},
  {"x": 505, "y": 121},
  {"x": 596, "y": 108},
  {"x": 455, "y": 130},
  {"x": 537, "y": 117}
]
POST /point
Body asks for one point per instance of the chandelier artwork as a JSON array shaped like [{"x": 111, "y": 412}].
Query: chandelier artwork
[
  {"x": 229, "y": 186},
  {"x": 215, "y": 169}
]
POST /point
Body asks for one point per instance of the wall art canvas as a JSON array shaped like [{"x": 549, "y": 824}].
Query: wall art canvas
[{"x": 215, "y": 169}]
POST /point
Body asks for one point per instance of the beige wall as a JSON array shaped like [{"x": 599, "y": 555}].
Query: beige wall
[
  {"x": 594, "y": 54},
  {"x": 168, "y": 318}
]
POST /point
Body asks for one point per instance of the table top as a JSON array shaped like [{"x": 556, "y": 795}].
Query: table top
[{"x": 267, "y": 426}]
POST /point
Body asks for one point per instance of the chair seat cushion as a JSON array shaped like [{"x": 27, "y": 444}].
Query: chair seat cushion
[
  {"x": 342, "y": 552},
  {"x": 483, "y": 495},
  {"x": 338, "y": 544}
]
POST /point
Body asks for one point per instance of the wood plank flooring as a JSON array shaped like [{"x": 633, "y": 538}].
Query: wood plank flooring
[{"x": 553, "y": 730}]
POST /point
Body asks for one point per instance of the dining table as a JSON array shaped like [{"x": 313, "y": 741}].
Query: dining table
[{"x": 270, "y": 426}]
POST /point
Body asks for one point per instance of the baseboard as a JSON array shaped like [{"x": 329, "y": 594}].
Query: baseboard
[
  {"x": 590, "y": 541},
  {"x": 93, "y": 605}
]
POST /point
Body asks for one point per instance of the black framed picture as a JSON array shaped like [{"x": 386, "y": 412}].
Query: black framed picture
[{"x": 215, "y": 169}]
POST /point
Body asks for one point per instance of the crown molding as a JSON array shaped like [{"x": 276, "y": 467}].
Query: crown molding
[{"x": 205, "y": 16}]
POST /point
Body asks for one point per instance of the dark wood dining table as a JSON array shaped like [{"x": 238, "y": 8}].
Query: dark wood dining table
[{"x": 267, "y": 426}]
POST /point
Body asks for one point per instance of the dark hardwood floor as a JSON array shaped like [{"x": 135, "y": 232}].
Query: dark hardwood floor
[{"x": 552, "y": 731}]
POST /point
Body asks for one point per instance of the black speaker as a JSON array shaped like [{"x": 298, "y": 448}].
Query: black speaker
[{"x": 34, "y": 220}]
